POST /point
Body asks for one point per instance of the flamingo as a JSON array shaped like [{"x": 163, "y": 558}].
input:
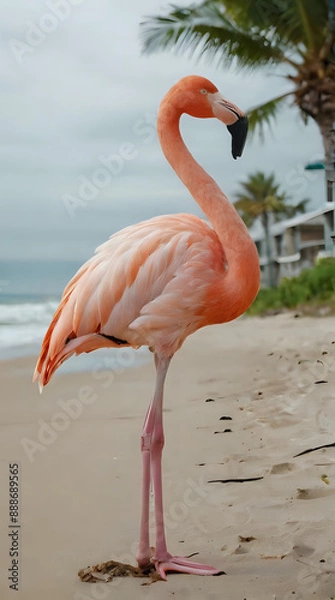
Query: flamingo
[{"x": 156, "y": 282}]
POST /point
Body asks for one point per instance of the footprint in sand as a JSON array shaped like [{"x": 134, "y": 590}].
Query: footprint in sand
[
  {"x": 302, "y": 550},
  {"x": 313, "y": 493},
  {"x": 282, "y": 468},
  {"x": 241, "y": 550}
]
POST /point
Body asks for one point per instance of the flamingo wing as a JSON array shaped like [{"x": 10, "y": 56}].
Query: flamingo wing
[{"x": 147, "y": 285}]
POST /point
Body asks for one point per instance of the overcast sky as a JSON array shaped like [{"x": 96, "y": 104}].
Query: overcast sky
[{"x": 76, "y": 90}]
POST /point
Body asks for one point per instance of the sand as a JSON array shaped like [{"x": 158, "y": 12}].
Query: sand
[{"x": 77, "y": 447}]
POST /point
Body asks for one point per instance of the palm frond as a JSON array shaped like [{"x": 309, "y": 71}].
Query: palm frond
[
  {"x": 301, "y": 206},
  {"x": 256, "y": 32},
  {"x": 305, "y": 22},
  {"x": 293, "y": 209},
  {"x": 265, "y": 113},
  {"x": 253, "y": 34},
  {"x": 209, "y": 28},
  {"x": 248, "y": 210},
  {"x": 260, "y": 195},
  {"x": 290, "y": 22},
  {"x": 255, "y": 13}
]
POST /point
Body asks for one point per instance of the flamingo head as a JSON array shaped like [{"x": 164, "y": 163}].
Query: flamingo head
[{"x": 198, "y": 97}]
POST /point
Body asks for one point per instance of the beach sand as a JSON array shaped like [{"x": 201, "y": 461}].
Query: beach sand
[{"x": 77, "y": 447}]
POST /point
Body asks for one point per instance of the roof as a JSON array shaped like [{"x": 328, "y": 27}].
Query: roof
[{"x": 279, "y": 227}]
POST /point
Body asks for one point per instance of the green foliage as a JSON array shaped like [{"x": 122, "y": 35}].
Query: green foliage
[
  {"x": 263, "y": 114},
  {"x": 290, "y": 22},
  {"x": 291, "y": 34},
  {"x": 256, "y": 32},
  {"x": 260, "y": 195},
  {"x": 211, "y": 29},
  {"x": 314, "y": 286}
]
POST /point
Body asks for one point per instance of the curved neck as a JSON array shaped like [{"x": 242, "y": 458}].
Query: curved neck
[{"x": 239, "y": 249}]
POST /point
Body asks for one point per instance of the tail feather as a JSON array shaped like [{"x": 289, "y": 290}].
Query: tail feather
[
  {"x": 46, "y": 342},
  {"x": 86, "y": 343},
  {"x": 61, "y": 340}
]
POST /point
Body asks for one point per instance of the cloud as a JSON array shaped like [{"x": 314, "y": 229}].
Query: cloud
[{"x": 79, "y": 95}]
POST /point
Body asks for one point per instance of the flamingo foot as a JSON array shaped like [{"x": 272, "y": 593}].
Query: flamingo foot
[{"x": 180, "y": 564}]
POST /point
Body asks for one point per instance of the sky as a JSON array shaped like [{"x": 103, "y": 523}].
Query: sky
[{"x": 77, "y": 92}]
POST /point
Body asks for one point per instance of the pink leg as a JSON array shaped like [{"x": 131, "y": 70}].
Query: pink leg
[
  {"x": 144, "y": 552},
  {"x": 152, "y": 445}
]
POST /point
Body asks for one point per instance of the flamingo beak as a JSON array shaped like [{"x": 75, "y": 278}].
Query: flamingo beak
[
  {"x": 238, "y": 131},
  {"x": 235, "y": 120}
]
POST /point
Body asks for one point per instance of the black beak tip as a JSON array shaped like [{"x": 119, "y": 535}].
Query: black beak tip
[{"x": 238, "y": 131}]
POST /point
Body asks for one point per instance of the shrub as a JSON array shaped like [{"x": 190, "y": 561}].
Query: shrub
[{"x": 311, "y": 286}]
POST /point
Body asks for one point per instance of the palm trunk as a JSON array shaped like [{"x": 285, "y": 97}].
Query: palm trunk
[
  {"x": 268, "y": 250},
  {"x": 316, "y": 98},
  {"x": 326, "y": 124},
  {"x": 328, "y": 131}
]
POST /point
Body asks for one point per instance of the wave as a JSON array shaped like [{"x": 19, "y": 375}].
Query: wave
[
  {"x": 23, "y": 325},
  {"x": 22, "y": 329},
  {"x": 14, "y": 314}
]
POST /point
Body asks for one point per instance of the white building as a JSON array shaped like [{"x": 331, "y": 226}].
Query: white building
[{"x": 297, "y": 243}]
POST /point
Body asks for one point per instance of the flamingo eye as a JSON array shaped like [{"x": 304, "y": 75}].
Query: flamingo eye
[{"x": 203, "y": 91}]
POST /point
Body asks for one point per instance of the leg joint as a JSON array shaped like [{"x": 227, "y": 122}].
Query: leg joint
[{"x": 152, "y": 441}]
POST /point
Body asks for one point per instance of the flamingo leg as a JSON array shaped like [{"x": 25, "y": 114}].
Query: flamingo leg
[
  {"x": 152, "y": 442},
  {"x": 144, "y": 552}
]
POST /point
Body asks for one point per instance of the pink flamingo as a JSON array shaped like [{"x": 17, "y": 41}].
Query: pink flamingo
[{"x": 156, "y": 282}]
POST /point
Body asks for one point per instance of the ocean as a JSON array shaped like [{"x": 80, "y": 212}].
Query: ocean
[{"x": 29, "y": 295}]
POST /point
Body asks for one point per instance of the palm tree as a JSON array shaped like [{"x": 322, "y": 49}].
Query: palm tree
[
  {"x": 295, "y": 36},
  {"x": 260, "y": 198}
]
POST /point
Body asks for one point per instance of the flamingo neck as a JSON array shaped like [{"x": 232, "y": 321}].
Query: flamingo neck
[
  {"x": 239, "y": 249},
  {"x": 228, "y": 225}
]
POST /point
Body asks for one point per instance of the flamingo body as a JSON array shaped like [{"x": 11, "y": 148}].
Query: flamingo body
[
  {"x": 151, "y": 284},
  {"x": 157, "y": 282}
]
